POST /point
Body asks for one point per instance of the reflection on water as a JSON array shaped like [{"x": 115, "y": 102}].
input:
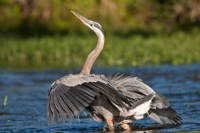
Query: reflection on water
[{"x": 25, "y": 110}]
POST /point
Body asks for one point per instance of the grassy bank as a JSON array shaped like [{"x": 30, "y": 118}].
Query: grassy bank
[{"x": 71, "y": 50}]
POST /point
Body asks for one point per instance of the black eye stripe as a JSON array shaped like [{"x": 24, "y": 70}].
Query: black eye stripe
[{"x": 97, "y": 26}]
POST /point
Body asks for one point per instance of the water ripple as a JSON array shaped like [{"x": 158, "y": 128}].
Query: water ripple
[{"x": 27, "y": 97}]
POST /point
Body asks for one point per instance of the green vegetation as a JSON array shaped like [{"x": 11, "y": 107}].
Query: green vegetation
[
  {"x": 70, "y": 51},
  {"x": 45, "y": 34},
  {"x": 50, "y": 16}
]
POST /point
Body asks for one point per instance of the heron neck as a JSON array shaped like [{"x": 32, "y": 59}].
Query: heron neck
[{"x": 93, "y": 55}]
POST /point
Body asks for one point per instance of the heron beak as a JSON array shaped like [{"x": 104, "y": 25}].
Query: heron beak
[{"x": 83, "y": 19}]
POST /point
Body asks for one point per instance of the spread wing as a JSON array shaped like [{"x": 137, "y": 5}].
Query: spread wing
[
  {"x": 71, "y": 94},
  {"x": 134, "y": 89}
]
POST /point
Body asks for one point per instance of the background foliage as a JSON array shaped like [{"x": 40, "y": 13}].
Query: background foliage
[
  {"x": 36, "y": 16},
  {"x": 44, "y": 33}
]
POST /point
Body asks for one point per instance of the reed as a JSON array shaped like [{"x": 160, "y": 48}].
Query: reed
[
  {"x": 5, "y": 101},
  {"x": 69, "y": 51}
]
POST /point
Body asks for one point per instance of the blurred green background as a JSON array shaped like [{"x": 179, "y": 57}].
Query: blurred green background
[{"x": 40, "y": 34}]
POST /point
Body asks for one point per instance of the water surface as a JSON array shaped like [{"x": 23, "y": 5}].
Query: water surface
[{"x": 25, "y": 110}]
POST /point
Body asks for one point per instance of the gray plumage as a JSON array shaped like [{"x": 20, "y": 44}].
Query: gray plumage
[
  {"x": 118, "y": 99},
  {"x": 74, "y": 93},
  {"x": 134, "y": 89}
]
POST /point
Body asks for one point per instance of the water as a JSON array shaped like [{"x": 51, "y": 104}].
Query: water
[{"x": 25, "y": 110}]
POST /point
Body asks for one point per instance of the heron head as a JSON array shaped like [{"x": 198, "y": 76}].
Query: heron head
[{"x": 89, "y": 23}]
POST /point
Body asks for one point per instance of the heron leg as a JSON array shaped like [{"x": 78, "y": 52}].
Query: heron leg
[
  {"x": 110, "y": 124},
  {"x": 125, "y": 127}
]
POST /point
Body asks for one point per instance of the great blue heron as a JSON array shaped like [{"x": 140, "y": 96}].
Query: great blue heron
[{"x": 118, "y": 100}]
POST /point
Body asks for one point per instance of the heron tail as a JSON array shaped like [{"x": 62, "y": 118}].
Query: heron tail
[{"x": 167, "y": 115}]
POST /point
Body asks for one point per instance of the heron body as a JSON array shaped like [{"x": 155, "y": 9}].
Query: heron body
[{"x": 114, "y": 100}]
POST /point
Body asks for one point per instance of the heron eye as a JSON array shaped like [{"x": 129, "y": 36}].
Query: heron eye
[{"x": 91, "y": 24}]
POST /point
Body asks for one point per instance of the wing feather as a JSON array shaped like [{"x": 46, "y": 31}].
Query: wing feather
[
  {"x": 59, "y": 107},
  {"x": 135, "y": 89},
  {"x": 90, "y": 91},
  {"x": 86, "y": 91},
  {"x": 75, "y": 102},
  {"x": 80, "y": 103},
  {"x": 49, "y": 112},
  {"x": 71, "y": 94},
  {"x": 87, "y": 97},
  {"x": 70, "y": 104},
  {"x": 53, "y": 109},
  {"x": 65, "y": 107},
  {"x": 68, "y": 96},
  {"x": 84, "y": 101}
]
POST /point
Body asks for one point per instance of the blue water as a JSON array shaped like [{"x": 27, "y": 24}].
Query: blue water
[{"x": 25, "y": 110}]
